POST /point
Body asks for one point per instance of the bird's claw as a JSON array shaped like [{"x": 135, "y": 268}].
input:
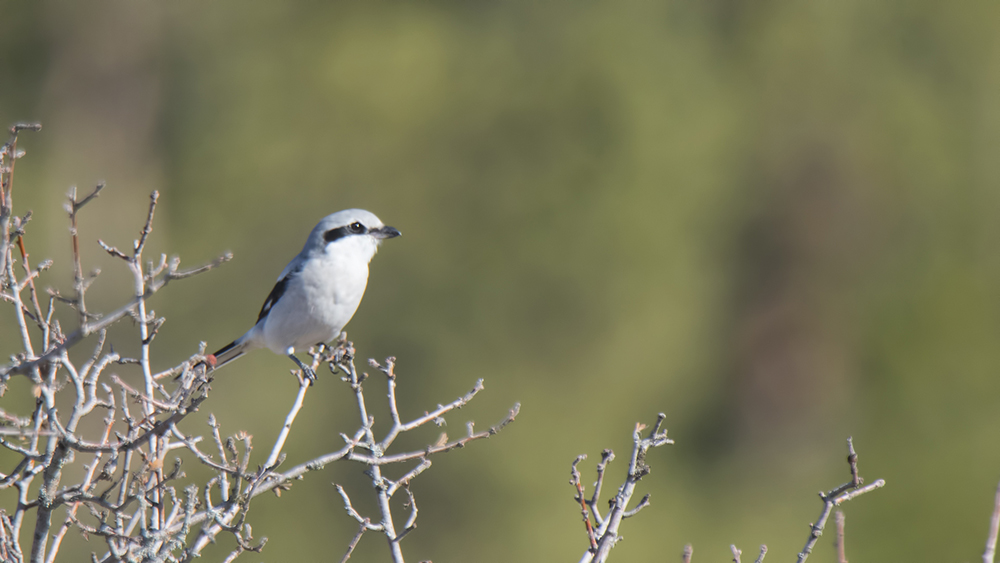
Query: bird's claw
[{"x": 309, "y": 373}]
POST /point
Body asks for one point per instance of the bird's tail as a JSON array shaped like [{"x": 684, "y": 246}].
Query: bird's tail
[{"x": 229, "y": 352}]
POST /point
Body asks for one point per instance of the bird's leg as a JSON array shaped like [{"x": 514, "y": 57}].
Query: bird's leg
[{"x": 306, "y": 370}]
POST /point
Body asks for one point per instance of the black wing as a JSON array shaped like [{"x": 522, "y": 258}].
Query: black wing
[{"x": 276, "y": 293}]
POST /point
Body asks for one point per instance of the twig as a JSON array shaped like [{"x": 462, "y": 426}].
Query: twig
[
  {"x": 991, "y": 539},
  {"x": 607, "y": 456},
  {"x": 107, "y": 320},
  {"x": 841, "y": 551},
  {"x": 79, "y": 283},
  {"x": 8, "y": 157},
  {"x": 279, "y": 443},
  {"x": 837, "y": 496},
  {"x": 376, "y": 457},
  {"x": 354, "y": 542},
  {"x": 575, "y": 481},
  {"x": 852, "y": 460},
  {"x": 31, "y": 275},
  {"x": 607, "y": 531}
]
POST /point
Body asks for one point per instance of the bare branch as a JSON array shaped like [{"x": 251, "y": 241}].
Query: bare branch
[
  {"x": 841, "y": 551},
  {"x": 575, "y": 481},
  {"x": 148, "y": 227},
  {"x": 272, "y": 459},
  {"x": 354, "y": 542},
  {"x": 79, "y": 282},
  {"x": 354, "y": 513},
  {"x": 127, "y": 494},
  {"x": 606, "y": 532},
  {"x": 850, "y": 495},
  {"x": 106, "y": 321},
  {"x": 404, "y": 481},
  {"x": 607, "y": 456},
  {"x": 18, "y": 127},
  {"x": 837, "y": 496},
  {"x": 991, "y": 539},
  {"x": 642, "y": 504}
]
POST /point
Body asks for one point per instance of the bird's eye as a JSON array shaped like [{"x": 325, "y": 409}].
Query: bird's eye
[{"x": 356, "y": 227}]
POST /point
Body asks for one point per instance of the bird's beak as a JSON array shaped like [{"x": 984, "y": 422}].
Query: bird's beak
[{"x": 385, "y": 232}]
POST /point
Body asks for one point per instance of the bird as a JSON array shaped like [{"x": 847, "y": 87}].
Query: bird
[{"x": 318, "y": 292}]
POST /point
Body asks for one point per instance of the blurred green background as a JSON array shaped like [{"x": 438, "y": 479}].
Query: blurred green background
[{"x": 776, "y": 222}]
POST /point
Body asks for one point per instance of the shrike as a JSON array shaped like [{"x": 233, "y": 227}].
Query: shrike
[{"x": 318, "y": 291}]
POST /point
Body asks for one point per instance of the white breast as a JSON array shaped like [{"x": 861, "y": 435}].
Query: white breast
[{"x": 321, "y": 298}]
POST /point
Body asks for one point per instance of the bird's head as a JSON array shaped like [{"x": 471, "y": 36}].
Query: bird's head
[{"x": 353, "y": 231}]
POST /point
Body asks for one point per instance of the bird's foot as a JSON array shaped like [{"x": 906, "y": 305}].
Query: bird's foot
[{"x": 307, "y": 372}]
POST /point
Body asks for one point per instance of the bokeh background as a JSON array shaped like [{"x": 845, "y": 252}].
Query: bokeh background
[{"x": 776, "y": 222}]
